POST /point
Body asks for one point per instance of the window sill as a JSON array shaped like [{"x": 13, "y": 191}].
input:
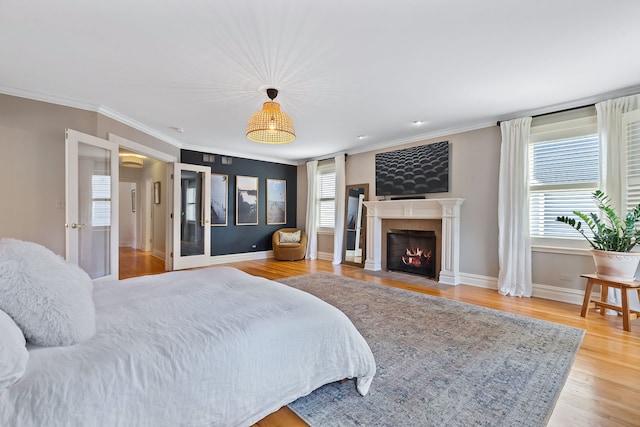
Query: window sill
[{"x": 560, "y": 250}]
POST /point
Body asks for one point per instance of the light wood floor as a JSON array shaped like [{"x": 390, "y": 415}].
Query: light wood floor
[
  {"x": 134, "y": 262},
  {"x": 603, "y": 388}
]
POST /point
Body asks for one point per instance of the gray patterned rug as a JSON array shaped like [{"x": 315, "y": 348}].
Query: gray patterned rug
[{"x": 440, "y": 362}]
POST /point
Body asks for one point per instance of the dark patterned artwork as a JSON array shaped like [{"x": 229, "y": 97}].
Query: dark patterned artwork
[{"x": 414, "y": 170}]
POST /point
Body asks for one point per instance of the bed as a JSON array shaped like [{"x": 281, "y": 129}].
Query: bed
[{"x": 206, "y": 347}]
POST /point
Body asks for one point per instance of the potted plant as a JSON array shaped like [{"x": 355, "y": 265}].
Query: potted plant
[{"x": 612, "y": 239}]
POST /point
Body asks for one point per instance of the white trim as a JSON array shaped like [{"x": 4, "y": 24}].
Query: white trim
[
  {"x": 106, "y": 111},
  {"x": 553, "y": 293},
  {"x": 247, "y": 256},
  {"x": 141, "y": 149},
  {"x": 559, "y": 250},
  {"x": 423, "y": 137},
  {"x": 447, "y": 210},
  {"x": 101, "y": 109},
  {"x": 158, "y": 254},
  {"x": 479, "y": 281},
  {"x": 325, "y": 256},
  {"x": 75, "y": 103}
]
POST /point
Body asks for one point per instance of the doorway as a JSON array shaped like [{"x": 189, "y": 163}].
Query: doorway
[{"x": 142, "y": 236}]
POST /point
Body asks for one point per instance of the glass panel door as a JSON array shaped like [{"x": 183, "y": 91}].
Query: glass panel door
[
  {"x": 191, "y": 216},
  {"x": 91, "y": 204}
]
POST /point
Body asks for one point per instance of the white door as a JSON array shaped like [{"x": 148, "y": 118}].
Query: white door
[
  {"x": 92, "y": 204},
  {"x": 191, "y": 216}
]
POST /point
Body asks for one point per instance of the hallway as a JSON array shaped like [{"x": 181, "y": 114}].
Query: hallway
[{"x": 134, "y": 262}]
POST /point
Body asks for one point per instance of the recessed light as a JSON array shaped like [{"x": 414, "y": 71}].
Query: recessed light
[
  {"x": 361, "y": 136},
  {"x": 418, "y": 122}
]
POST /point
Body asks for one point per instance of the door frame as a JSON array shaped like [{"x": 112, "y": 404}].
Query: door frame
[
  {"x": 72, "y": 220},
  {"x": 168, "y": 159},
  {"x": 191, "y": 261}
]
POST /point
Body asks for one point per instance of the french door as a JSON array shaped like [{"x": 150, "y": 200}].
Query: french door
[
  {"x": 91, "y": 219},
  {"x": 191, "y": 216}
]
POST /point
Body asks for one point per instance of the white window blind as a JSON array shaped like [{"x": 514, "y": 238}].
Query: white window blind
[
  {"x": 101, "y": 200},
  {"x": 326, "y": 202},
  {"x": 631, "y": 131},
  {"x": 563, "y": 174}
]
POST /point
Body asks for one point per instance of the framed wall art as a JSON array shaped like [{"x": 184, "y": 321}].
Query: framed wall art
[
  {"x": 276, "y": 201},
  {"x": 246, "y": 200},
  {"x": 156, "y": 193},
  {"x": 219, "y": 199}
]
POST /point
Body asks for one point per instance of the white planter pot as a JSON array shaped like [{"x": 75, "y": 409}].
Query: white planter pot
[{"x": 620, "y": 266}]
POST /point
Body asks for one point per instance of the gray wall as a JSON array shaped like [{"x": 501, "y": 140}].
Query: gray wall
[
  {"x": 474, "y": 170},
  {"x": 32, "y": 165},
  {"x": 474, "y": 163}
]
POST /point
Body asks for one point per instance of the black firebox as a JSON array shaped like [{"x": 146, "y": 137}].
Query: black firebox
[{"x": 412, "y": 251}]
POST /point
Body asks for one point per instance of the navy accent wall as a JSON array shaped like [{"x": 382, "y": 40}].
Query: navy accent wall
[{"x": 235, "y": 239}]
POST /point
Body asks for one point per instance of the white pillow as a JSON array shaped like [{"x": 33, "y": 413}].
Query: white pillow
[
  {"x": 13, "y": 351},
  {"x": 49, "y": 298},
  {"x": 293, "y": 237}
]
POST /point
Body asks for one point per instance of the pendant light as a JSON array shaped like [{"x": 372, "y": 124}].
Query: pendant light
[{"x": 270, "y": 125}]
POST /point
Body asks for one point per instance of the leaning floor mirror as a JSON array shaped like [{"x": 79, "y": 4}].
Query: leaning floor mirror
[{"x": 355, "y": 220}]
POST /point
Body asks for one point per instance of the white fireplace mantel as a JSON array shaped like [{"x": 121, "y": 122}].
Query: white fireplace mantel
[{"x": 448, "y": 210}]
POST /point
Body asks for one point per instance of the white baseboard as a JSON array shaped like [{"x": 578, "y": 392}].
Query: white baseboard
[
  {"x": 247, "y": 256},
  {"x": 325, "y": 256},
  {"x": 479, "y": 281},
  {"x": 127, "y": 244},
  {"x": 554, "y": 293},
  {"x": 158, "y": 253}
]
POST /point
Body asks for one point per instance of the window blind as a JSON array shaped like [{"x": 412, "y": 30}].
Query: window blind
[
  {"x": 563, "y": 173},
  {"x": 326, "y": 203},
  {"x": 101, "y": 200}
]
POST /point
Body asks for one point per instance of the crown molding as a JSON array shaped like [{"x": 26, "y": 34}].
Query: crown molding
[
  {"x": 101, "y": 109},
  {"x": 423, "y": 137},
  {"x": 112, "y": 114}
]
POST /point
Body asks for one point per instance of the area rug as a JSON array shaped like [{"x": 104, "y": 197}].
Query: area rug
[
  {"x": 440, "y": 362},
  {"x": 414, "y": 279}
]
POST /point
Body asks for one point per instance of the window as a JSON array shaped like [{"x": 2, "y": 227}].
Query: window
[
  {"x": 631, "y": 136},
  {"x": 190, "y": 202},
  {"x": 101, "y": 200},
  {"x": 326, "y": 193},
  {"x": 563, "y": 172}
]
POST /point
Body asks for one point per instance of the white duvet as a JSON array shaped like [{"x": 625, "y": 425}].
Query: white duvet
[{"x": 209, "y": 347}]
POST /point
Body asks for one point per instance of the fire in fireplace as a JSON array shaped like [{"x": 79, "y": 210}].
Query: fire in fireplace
[{"x": 412, "y": 251}]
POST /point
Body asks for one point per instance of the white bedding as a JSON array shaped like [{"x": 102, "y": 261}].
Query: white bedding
[{"x": 209, "y": 347}]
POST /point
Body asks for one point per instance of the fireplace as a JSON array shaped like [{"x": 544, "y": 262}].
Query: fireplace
[
  {"x": 446, "y": 210},
  {"x": 412, "y": 251}
]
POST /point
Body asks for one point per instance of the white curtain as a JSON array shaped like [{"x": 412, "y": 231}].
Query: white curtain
[
  {"x": 612, "y": 151},
  {"x": 310, "y": 225},
  {"x": 612, "y": 157},
  {"x": 338, "y": 231},
  {"x": 514, "y": 240}
]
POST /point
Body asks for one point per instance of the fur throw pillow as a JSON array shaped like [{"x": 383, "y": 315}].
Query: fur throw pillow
[
  {"x": 49, "y": 298},
  {"x": 13, "y": 351}
]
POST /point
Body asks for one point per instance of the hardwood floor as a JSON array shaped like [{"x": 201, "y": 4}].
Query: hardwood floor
[
  {"x": 603, "y": 387},
  {"x": 134, "y": 262}
]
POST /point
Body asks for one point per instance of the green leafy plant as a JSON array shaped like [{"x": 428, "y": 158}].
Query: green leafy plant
[{"x": 609, "y": 232}]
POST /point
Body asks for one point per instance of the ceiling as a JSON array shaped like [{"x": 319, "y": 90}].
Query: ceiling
[{"x": 343, "y": 68}]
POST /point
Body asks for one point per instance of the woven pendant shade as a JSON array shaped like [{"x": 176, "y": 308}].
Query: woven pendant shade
[{"x": 270, "y": 125}]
